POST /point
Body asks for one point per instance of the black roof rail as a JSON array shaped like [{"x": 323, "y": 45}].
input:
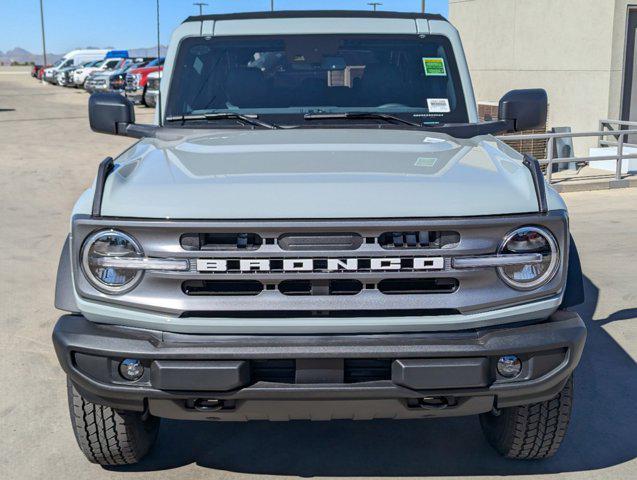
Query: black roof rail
[{"x": 315, "y": 14}]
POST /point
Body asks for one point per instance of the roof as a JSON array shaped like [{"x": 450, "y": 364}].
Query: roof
[{"x": 316, "y": 14}]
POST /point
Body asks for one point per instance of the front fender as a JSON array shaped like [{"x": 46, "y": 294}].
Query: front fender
[
  {"x": 64, "y": 289},
  {"x": 574, "y": 290}
]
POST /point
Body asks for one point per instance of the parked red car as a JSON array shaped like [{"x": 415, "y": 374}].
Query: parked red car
[
  {"x": 136, "y": 80},
  {"x": 38, "y": 70}
]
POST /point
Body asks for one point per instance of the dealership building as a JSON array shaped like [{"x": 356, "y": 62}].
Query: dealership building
[{"x": 581, "y": 51}]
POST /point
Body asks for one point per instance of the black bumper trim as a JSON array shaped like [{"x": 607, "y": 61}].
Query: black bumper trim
[{"x": 74, "y": 334}]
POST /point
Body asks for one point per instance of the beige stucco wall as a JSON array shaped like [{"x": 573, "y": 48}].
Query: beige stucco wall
[
  {"x": 617, "y": 56},
  {"x": 571, "y": 48}
]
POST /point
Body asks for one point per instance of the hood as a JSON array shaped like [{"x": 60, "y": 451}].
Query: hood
[{"x": 317, "y": 174}]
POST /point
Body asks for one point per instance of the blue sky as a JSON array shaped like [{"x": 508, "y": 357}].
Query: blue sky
[{"x": 131, "y": 23}]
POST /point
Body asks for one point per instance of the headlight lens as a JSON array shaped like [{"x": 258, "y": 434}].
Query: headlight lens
[
  {"x": 110, "y": 244},
  {"x": 527, "y": 240}
]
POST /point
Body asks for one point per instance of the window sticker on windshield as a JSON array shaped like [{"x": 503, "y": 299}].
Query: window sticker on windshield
[
  {"x": 426, "y": 162},
  {"x": 434, "y": 66},
  {"x": 438, "y": 105},
  {"x": 198, "y": 65}
]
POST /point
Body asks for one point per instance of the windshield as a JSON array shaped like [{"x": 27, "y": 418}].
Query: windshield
[{"x": 414, "y": 77}]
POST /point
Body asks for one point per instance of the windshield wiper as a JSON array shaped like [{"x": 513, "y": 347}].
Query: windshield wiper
[
  {"x": 358, "y": 116},
  {"x": 209, "y": 117}
]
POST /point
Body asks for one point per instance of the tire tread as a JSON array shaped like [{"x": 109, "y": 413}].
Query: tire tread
[
  {"x": 108, "y": 436},
  {"x": 533, "y": 431}
]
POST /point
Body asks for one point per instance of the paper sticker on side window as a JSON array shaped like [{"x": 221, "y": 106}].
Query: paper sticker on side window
[
  {"x": 434, "y": 66},
  {"x": 438, "y": 105}
]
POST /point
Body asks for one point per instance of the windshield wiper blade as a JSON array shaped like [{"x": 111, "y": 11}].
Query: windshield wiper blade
[
  {"x": 359, "y": 116},
  {"x": 249, "y": 119}
]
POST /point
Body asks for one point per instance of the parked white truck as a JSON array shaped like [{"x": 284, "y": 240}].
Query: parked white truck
[
  {"x": 72, "y": 58},
  {"x": 318, "y": 227}
]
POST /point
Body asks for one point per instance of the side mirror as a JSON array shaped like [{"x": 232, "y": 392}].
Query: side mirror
[
  {"x": 110, "y": 113},
  {"x": 524, "y": 109}
]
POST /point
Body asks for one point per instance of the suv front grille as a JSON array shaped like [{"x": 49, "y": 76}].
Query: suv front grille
[{"x": 333, "y": 268}]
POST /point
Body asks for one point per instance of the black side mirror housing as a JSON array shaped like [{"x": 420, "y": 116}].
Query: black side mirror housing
[
  {"x": 524, "y": 109},
  {"x": 110, "y": 113}
]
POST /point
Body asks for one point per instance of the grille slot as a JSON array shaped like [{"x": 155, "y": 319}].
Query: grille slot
[
  {"x": 310, "y": 242},
  {"x": 416, "y": 286},
  {"x": 211, "y": 242},
  {"x": 419, "y": 240},
  {"x": 320, "y": 287},
  {"x": 276, "y": 371},
  {"x": 355, "y": 370},
  {"x": 367, "y": 370},
  {"x": 222, "y": 287}
]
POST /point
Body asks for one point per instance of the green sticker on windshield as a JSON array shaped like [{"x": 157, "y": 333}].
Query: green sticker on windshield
[
  {"x": 425, "y": 162},
  {"x": 434, "y": 66}
]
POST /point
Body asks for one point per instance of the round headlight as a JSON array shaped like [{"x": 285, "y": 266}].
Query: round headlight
[
  {"x": 105, "y": 245},
  {"x": 529, "y": 240}
]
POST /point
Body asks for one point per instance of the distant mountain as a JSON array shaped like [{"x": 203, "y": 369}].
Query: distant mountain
[
  {"x": 21, "y": 55},
  {"x": 24, "y": 56}
]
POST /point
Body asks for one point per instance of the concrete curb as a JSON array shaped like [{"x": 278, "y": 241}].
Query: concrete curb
[{"x": 567, "y": 187}]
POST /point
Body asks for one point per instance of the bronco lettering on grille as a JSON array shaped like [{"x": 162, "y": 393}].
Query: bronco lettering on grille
[{"x": 212, "y": 265}]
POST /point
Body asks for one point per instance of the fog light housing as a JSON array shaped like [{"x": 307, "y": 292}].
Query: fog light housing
[
  {"x": 509, "y": 366},
  {"x": 131, "y": 369}
]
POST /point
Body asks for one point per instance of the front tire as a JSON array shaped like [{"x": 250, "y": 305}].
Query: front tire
[
  {"x": 107, "y": 436},
  {"x": 530, "y": 432}
]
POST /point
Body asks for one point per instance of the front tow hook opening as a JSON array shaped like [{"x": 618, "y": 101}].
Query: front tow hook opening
[
  {"x": 208, "y": 405},
  {"x": 435, "y": 403}
]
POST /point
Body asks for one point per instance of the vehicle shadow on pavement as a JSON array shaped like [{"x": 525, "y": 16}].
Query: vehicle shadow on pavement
[{"x": 602, "y": 432}]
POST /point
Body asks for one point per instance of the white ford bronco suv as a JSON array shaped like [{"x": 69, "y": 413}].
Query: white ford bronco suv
[{"x": 317, "y": 226}]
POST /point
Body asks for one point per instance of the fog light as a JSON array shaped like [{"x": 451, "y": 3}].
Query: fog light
[
  {"x": 509, "y": 366},
  {"x": 131, "y": 369}
]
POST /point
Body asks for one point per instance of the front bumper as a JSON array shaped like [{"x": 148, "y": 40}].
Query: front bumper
[{"x": 332, "y": 377}]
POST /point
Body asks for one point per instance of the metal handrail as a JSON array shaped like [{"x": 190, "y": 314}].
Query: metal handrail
[{"x": 605, "y": 130}]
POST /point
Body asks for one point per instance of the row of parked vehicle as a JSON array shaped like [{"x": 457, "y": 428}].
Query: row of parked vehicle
[{"x": 106, "y": 71}]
